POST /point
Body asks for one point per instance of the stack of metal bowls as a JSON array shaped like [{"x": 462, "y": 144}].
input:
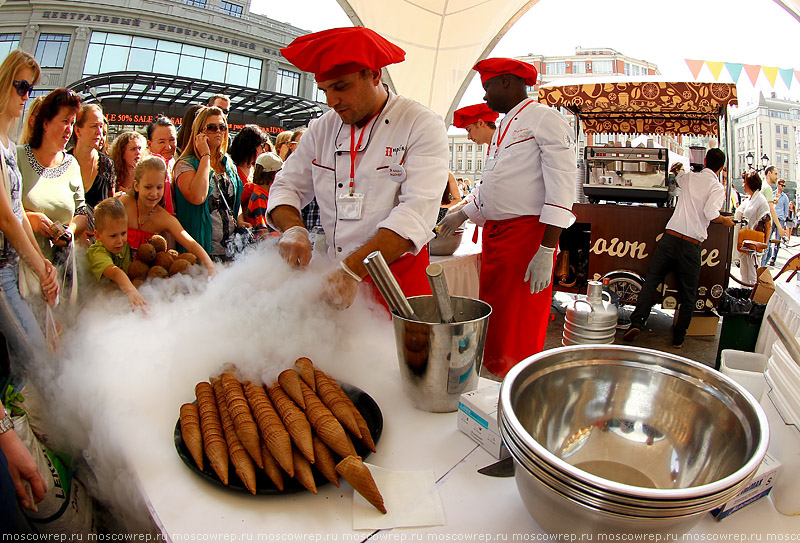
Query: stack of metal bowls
[{"x": 623, "y": 440}]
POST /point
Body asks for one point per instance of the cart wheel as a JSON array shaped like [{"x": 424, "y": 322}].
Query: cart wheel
[{"x": 627, "y": 285}]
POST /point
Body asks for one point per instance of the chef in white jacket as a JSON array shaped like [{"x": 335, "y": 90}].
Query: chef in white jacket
[
  {"x": 376, "y": 163},
  {"x": 524, "y": 202}
]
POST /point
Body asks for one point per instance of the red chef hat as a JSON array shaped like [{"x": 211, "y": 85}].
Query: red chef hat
[
  {"x": 472, "y": 114},
  {"x": 492, "y": 67},
  {"x": 341, "y": 51}
]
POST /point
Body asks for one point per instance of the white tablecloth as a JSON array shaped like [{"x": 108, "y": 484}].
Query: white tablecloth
[
  {"x": 462, "y": 269},
  {"x": 786, "y": 304}
]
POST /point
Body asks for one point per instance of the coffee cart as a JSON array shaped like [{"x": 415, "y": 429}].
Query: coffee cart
[{"x": 623, "y": 194}]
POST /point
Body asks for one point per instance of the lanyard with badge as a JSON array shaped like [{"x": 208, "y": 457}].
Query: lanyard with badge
[
  {"x": 490, "y": 161},
  {"x": 349, "y": 205}
]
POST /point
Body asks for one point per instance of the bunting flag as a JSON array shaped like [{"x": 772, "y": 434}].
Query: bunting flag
[
  {"x": 788, "y": 75},
  {"x": 734, "y": 69},
  {"x": 716, "y": 69},
  {"x": 695, "y": 66},
  {"x": 771, "y": 72},
  {"x": 752, "y": 72}
]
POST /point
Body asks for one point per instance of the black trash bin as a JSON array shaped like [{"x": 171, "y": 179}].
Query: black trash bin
[{"x": 741, "y": 321}]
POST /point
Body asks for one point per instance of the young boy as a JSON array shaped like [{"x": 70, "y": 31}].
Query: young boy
[
  {"x": 267, "y": 166},
  {"x": 110, "y": 256}
]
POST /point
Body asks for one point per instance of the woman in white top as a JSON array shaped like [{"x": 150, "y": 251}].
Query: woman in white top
[
  {"x": 18, "y": 73},
  {"x": 754, "y": 209}
]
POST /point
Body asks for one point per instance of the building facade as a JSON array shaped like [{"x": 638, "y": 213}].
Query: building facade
[
  {"x": 194, "y": 41},
  {"x": 771, "y": 128}
]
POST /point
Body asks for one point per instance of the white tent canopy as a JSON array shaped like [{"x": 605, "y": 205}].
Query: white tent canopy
[{"x": 443, "y": 39}]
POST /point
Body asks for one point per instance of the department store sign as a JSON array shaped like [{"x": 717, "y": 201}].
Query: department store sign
[{"x": 196, "y": 35}]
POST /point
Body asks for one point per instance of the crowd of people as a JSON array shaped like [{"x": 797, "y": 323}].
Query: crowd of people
[{"x": 73, "y": 202}]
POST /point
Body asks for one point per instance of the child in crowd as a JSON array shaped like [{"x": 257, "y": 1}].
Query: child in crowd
[
  {"x": 147, "y": 216},
  {"x": 265, "y": 169},
  {"x": 110, "y": 256}
]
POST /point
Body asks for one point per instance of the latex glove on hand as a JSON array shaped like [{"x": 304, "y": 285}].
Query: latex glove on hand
[
  {"x": 295, "y": 247},
  {"x": 540, "y": 269},
  {"x": 340, "y": 288},
  {"x": 451, "y": 223}
]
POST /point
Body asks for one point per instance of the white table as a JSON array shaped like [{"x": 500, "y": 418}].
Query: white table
[
  {"x": 785, "y": 303},
  {"x": 182, "y": 503},
  {"x": 462, "y": 269}
]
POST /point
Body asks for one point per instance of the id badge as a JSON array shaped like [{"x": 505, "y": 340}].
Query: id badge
[
  {"x": 348, "y": 206},
  {"x": 489, "y": 166}
]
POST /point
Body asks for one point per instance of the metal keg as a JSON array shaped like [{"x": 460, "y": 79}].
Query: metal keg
[{"x": 590, "y": 320}]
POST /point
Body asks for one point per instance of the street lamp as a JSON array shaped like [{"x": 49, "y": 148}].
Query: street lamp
[{"x": 750, "y": 159}]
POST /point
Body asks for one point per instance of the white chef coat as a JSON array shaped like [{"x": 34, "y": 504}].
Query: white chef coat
[
  {"x": 404, "y": 133},
  {"x": 532, "y": 171},
  {"x": 702, "y": 196}
]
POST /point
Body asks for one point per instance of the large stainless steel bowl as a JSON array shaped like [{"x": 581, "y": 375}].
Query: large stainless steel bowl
[{"x": 628, "y": 431}]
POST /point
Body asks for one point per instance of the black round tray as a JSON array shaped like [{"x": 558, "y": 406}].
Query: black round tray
[{"x": 364, "y": 403}]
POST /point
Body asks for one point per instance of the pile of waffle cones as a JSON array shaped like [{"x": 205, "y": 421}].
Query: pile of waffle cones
[{"x": 304, "y": 419}]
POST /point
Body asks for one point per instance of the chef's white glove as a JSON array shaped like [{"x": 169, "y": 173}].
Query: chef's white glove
[
  {"x": 295, "y": 246},
  {"x": 451, "y": 223},
  {"x": 540, "y": 269},
  {"x": 340, "y": 288}
]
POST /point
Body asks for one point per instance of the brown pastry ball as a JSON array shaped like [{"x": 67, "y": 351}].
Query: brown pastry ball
[
  {"x": 188, "y": 256},
  {"x": 158, "y": 243},
  {"x": 146, "y": 253},
  {"x": 180, "y": 266},
  {"x": 157, "y": 271},
  {"x": 138, "y": 282},
  {"x": 164, "y": 260},
  {"x": 138, "y": 269},
  {"x": 173, "y": 253}
]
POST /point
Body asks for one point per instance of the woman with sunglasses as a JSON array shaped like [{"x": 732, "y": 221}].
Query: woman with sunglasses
[
  {"x": 18, "y": 73},
  {"x": 126, "y": 152},
  {"x": 52, "y": 187},
  {"x": 209, "y": 192}
]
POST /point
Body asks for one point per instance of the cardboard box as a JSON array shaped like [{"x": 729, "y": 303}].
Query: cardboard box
[
  {"x": 758, "y": 487},
  {"x": 477, "y": 417},
  {"x": 765, "y": 287},
  {"x": 703, "y": 324}
]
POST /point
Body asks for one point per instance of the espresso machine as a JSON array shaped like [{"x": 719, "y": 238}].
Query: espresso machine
[{"x": 626, "y": 174}]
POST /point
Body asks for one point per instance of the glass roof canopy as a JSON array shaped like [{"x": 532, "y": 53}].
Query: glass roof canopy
[{"x": 172, "y": 95}]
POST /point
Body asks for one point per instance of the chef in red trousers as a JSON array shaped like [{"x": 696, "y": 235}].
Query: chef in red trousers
[
  {"x": 376, "y": 163},
  {"x": 524, "y": 202}
]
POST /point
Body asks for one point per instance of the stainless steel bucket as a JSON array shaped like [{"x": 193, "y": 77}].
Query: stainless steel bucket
[{"x": 439, "y": 361}]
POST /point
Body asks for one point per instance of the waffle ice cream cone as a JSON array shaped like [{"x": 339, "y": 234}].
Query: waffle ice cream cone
[
  {"x": 294, "y": 420},
  {"x": 213, "y": 438},
  {"x": 333, "y": 397},
  {"x": 325, "y": 462},
  {"x": 190, "y": 430},
  {"x": 272, "y": 429},
  {"x": 302, "y": 471},
  {"x": 271, "y": 466},
  {"x": 290, "y": 382},
  {"x": 239, "y": 458},
  {"x": 243, "y": 422},
  {"x": 305, "y": 369},
  {"x": 355, "y": 472},
  {"x": 329, "y": 430}
]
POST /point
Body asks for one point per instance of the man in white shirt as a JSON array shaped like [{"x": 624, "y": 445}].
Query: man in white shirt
[
  {"x": 524, "y": 201},
  {"x": 376, "y": 163},
  {"x": 702, "y": 197}
]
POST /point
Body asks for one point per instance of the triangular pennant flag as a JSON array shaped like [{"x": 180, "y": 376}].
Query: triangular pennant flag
[
  {"x": 787, "y": 74},
  {"x": 752, "y": 72},
  {"x": 797, "y": 75},
  {"x": 734, "y": 69},
  {"x": 695, "y": 66},
  {"x": 716, "y": 69},
  {"x": 771, "y": 72}
]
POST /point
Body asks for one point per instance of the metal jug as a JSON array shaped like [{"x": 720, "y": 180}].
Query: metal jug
[{"x": 590, "y": 320}]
